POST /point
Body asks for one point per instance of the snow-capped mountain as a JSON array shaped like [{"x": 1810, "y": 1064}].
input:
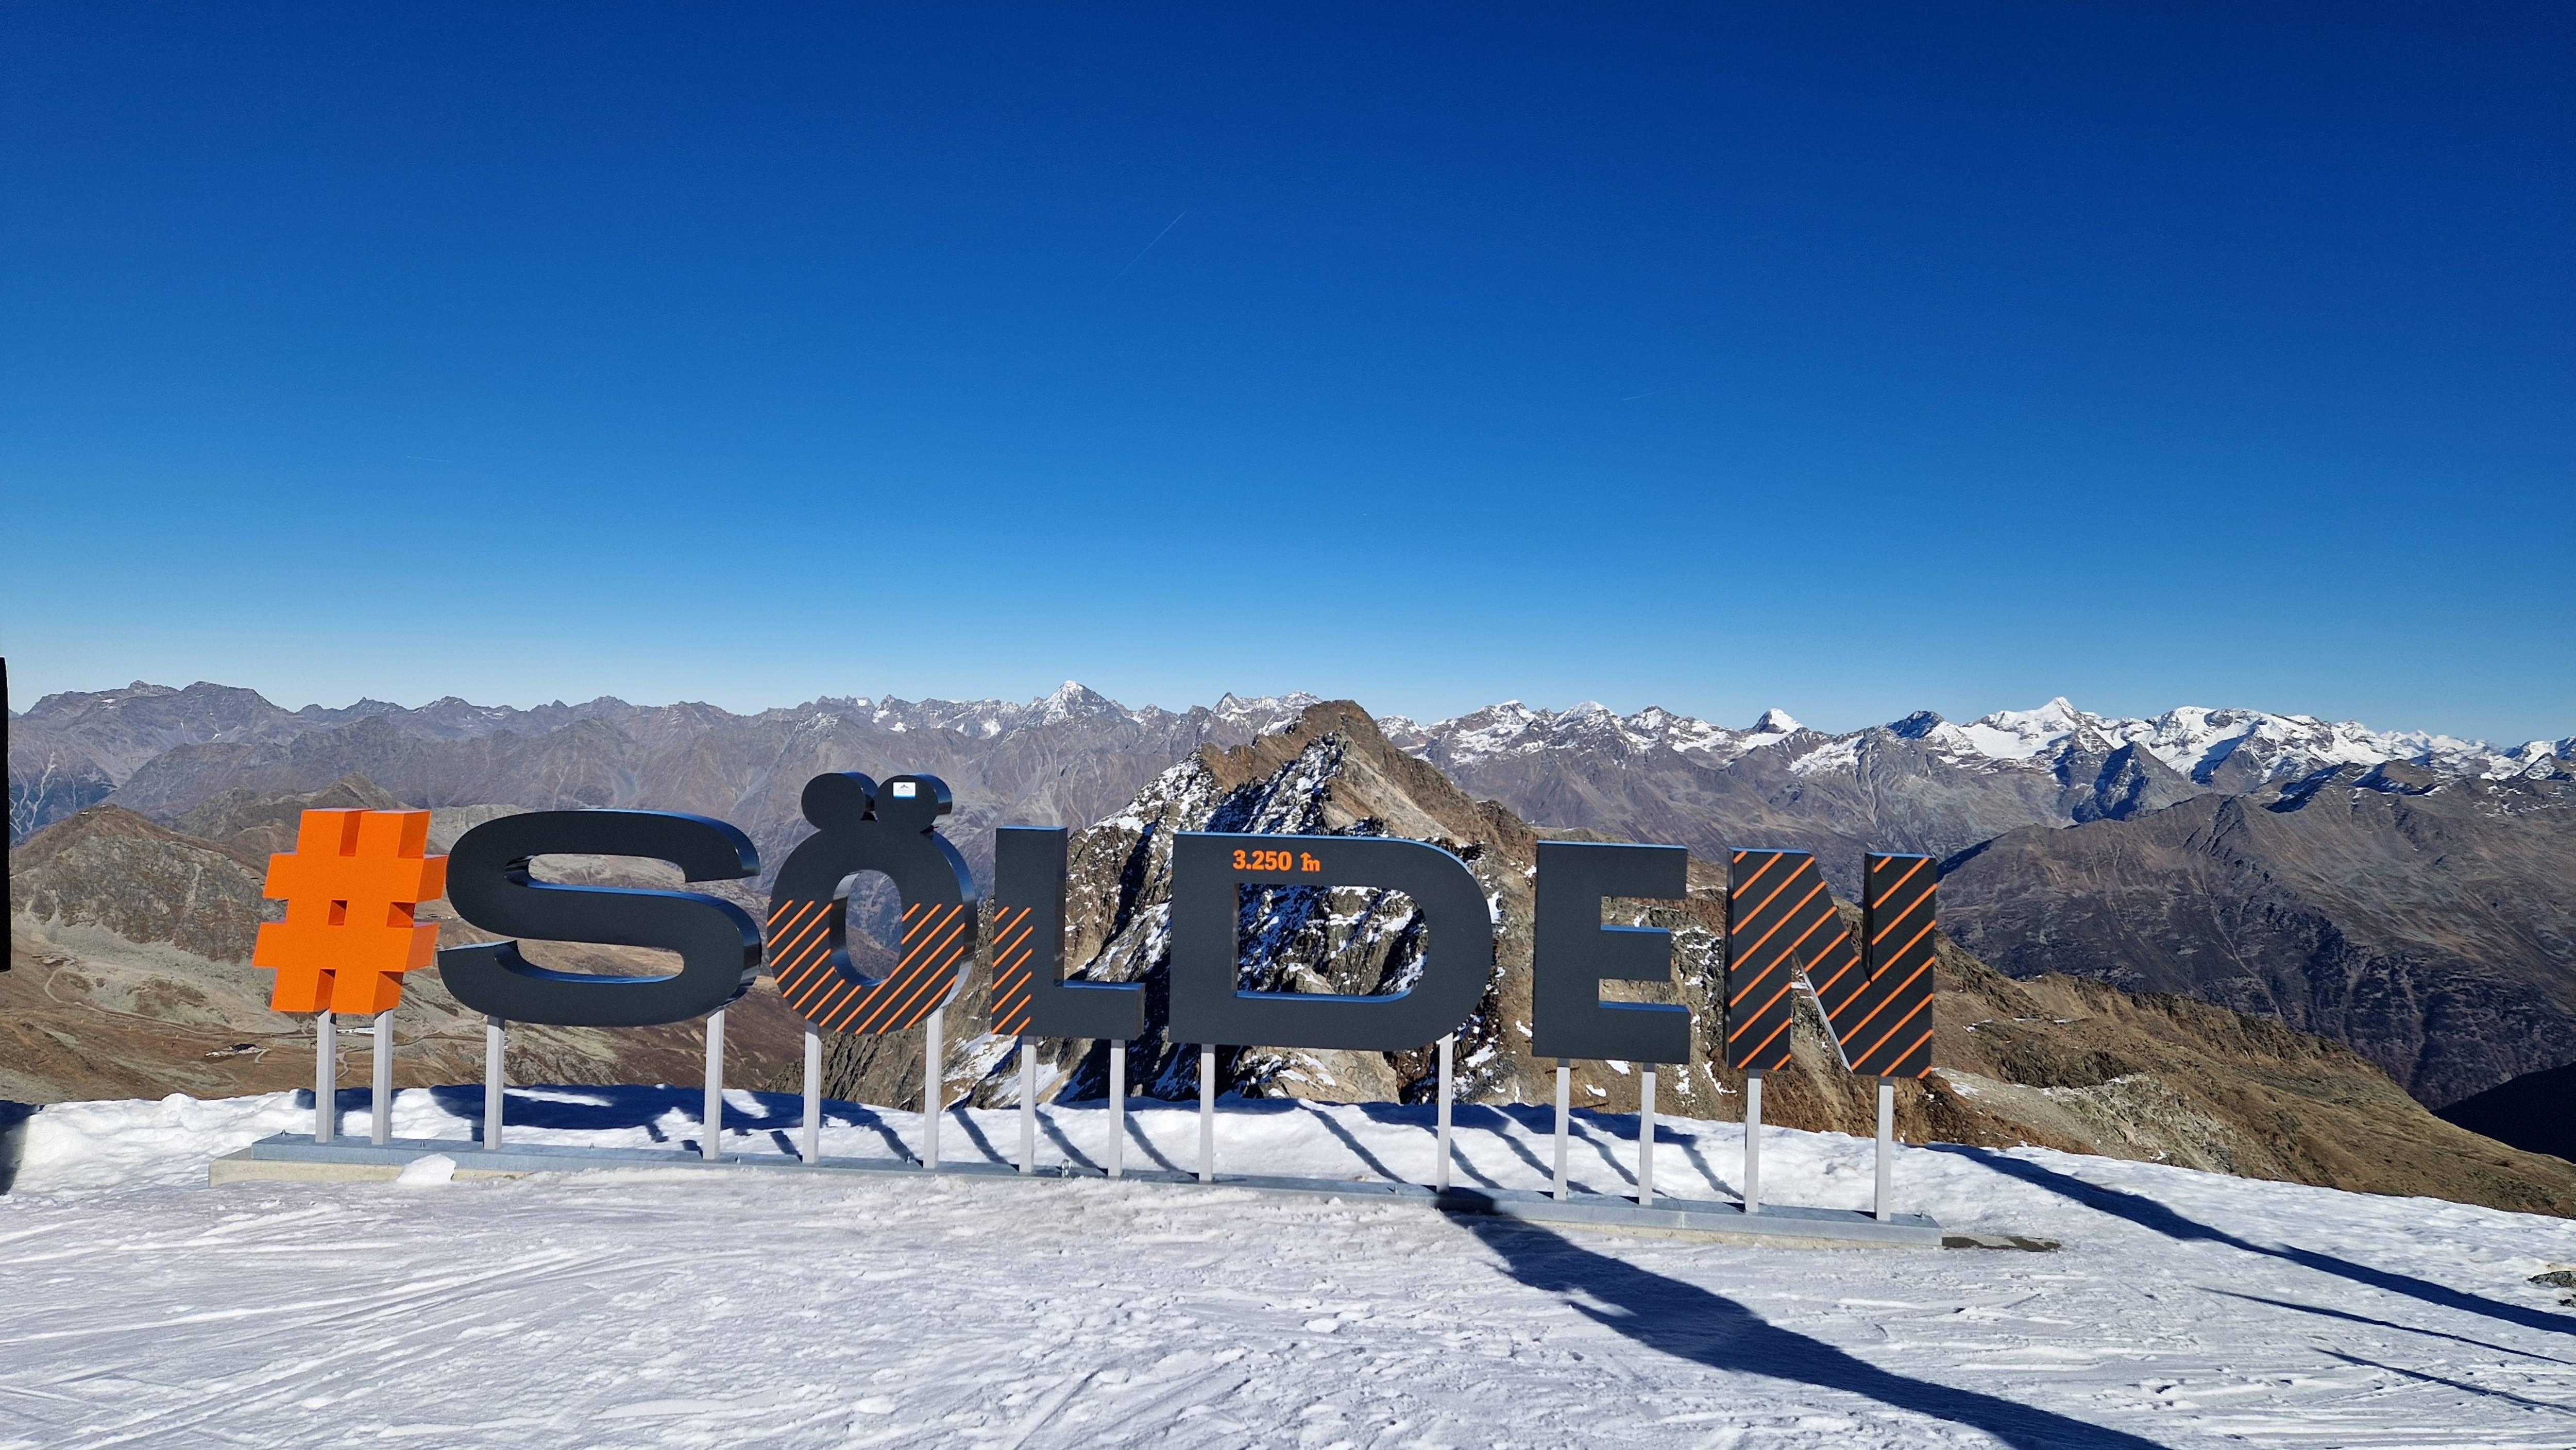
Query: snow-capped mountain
[
  {"x": 1512, "y": 728},
  {"x": 2228, "y": 749},
  {"x": 2247, "y": 746}
]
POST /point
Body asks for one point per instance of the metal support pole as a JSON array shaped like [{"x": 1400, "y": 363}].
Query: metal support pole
[
  {"x": 1207, "y": 1114},
  {"x": 1117, "y": 1105},
  {"x": 934, "y": 1086},
  {"x": 492, "y": 1045},
  {"x": 1564, "y": 1121},
  {"x": 1886, "y": 1203},
  {"x": 1645, "y": 1134},
  {"x": 326, "y": 1079},
  {"x": 382, "y": 1130},
  {"x": 811, "y": 1148},
  {"x": 1028, "y": 1105},
  {"x": 1440, "y": 1178},
  {"x": 1753, "y": 1141},
  {"x": 711, "y": 1119}
]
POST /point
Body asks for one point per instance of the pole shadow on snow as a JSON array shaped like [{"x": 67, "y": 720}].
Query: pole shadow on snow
[
  {"x": 1535, "y": 1120},
  {"x": 1598, "y": 1131},
  {"x": 2146, "y": 1212},
  {"x": 2323, "y": 1312},
  {"x": 1134, "y": 1128},
  {"x": 1688, "y": 1322},
  {"x": 2461, "y": 1385},
  {"x": 1351, "y": 1141},
  {"x": 1707, "y": 1170},
  {"x": 975, "y": 1134},
  {"x": 1414, "y": 1115},
  {"x": 1073, "y": 1155}
]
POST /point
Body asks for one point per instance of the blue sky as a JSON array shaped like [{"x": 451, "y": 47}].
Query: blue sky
[{"x": 1849, "y": 359}]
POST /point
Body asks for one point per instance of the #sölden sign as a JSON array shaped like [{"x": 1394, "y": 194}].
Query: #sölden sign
[{"x": 1874, "y": 986}]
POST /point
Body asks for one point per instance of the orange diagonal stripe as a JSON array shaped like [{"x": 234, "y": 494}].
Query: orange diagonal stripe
[
  {"x": 1911, "y": 1048},
  {"x": 1758, "y": 872},
  {"x": 1850, "y": 960},
  {"x": 1893, "y": 1028},
  {"x": 1764, "y": 1045},
  {"x": 1756, "y": 1014},
  {"x": 1775, "y": 893},
  {"x": 1897, "y": 992},
  {"x": 1901, "y": 880},
  {"x": 933, "y": 972},
  {"x": 1787, "y": 917},
  {"x": 895, "y": 1011},
  {"x": 1900, "y": 916},
  {"x": 915, "y": 944}
]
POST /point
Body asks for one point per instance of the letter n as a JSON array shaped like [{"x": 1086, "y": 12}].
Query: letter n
[{"x": 1876, "y": 992}]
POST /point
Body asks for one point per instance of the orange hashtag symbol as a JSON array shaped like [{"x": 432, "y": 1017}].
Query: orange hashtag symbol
[{"x": 350, "y": 888}]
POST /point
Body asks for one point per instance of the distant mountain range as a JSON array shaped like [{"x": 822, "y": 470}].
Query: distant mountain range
[
  {"x": 130, "y": 977},
  {"x": 2400, "y": 891}
]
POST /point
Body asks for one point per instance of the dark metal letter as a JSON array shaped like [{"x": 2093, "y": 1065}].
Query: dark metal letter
[
  {"x": 489, "y": 885},
  {"x": 1781, "y": 920},
  {"x": 1207, "y": 1007},
  {"x": 1573, "y": 953},
  {"x": 1030, "y": 995},
  {"x": 867, "y": 827}
]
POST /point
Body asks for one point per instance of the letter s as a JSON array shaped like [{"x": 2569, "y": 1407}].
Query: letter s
[{"x": 488, "y": 883}]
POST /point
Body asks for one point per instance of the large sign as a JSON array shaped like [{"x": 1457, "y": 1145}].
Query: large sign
[{"x": 1782, "y": 933}]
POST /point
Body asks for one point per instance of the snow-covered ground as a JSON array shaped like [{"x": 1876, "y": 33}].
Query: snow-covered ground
[{"x": 669, "y": 1307}]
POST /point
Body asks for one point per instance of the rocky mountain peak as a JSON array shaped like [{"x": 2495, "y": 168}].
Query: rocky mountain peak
[{"x": 1074, "y": 700}]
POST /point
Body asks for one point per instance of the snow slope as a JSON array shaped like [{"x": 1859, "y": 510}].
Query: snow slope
[{"x": 674, "y": 1308}]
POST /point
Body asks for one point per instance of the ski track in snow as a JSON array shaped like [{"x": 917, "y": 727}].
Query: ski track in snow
[{"x": 679, "y": 1308}]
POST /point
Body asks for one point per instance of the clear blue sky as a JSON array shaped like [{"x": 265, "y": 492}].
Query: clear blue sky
[{"x": 1850, "y": 359}]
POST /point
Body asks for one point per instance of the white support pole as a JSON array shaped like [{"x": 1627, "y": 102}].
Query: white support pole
[
  {"x": 1028, "y": 1105},
  {"x": 711, "y": 1118},
  {"x": 1440, "y": 1178},
  {"x": 1207, "y": 1114},
  {"x": 1886, "y": 1203},
  {"x": 1753, "y": 1141},
  {"x": 492, "y": 1045},
  {"x": 811, "y": 1147},
  {"x": 326, "y": 1079},
  {"x": 382, "y": 1130},
  {"x": 1645, "y": 1134},
  {"x": 1564, "y": 1121},
  {"x": 934, "y": 1088},
  {"x": 1117, "y": 1106}
]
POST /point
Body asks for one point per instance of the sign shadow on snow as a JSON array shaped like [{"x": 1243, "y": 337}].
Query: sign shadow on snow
[
  {"x": 2146, "y": 1212},
  {"x": 1688, "y": 1322},
  {"x": 2323, "y": 1312},
  {"x": 593, "y": 1109},
  {"x": 2434, "y": 1379}
]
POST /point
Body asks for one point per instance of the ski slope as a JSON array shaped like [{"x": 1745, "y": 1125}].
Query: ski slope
[{"x": 679, "y": 1308}]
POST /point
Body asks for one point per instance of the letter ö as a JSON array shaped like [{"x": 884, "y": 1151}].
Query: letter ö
[{"x": 890, "y": 829}]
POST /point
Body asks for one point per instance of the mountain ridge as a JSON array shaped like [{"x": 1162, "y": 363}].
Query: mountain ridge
[{"x": 2436, "y": 992}]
